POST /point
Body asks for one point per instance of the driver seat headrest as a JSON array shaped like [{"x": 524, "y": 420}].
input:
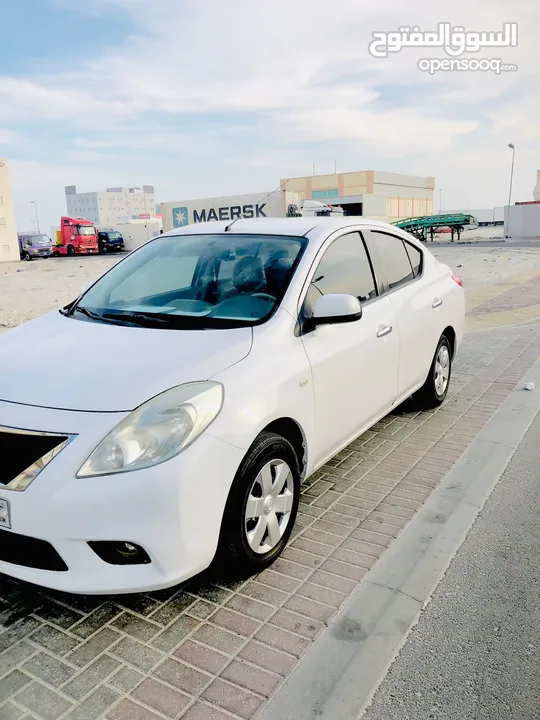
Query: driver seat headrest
[{"x": 249, "y": 275}]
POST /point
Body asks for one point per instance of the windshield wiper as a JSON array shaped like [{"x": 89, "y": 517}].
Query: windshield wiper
[
  {"x": 89, "y": 314},
  {"x": 138, "y": 318},
  {"x": 85, "y": 311}
]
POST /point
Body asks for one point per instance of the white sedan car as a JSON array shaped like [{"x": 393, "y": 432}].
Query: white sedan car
[{"x": 169, "y": 415}]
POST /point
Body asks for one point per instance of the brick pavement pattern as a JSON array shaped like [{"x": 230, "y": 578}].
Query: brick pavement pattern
[{"x": 216, "y": 650}]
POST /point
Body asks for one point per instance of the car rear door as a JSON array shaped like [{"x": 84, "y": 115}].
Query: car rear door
[
  {"x": 416, "y": 300},
  {"x": 355, "y": 364}
]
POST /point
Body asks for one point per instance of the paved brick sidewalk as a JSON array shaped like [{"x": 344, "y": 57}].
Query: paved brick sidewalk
[{"x": 215, "y": 650}]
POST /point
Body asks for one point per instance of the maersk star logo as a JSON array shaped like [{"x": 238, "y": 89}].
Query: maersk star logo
[{"x": 180, "y": 216}]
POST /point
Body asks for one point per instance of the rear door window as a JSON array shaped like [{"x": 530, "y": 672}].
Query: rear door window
[
  {"x": 394, "y": 259},
  {"x": 415, "y": 256}
]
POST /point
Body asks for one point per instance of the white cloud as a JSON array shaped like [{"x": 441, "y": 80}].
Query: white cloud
[{"x": 304, "y": 78}]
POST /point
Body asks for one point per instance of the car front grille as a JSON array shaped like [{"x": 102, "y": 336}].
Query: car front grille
[
  {"x": 25, "y": 453},
  {"x": 29, "y": 552}
]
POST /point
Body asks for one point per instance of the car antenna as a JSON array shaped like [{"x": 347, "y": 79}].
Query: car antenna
[
  {"x": 229, "y": 226},
  {"x": 241, "y": 217}
]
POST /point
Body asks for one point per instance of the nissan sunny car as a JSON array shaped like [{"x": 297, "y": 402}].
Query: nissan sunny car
[{"x": 168, "y": 415}]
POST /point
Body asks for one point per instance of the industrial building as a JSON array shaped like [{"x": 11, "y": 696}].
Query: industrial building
[
  {"x": 9, "y": 244},
  {"x": 370, "y": 193},
  {"x": 112, "y": 206}
]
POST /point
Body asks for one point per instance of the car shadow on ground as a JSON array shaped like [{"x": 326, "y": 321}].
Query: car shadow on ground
[{"x": 20, "y": 600}]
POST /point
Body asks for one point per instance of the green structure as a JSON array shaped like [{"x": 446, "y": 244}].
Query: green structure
[{"x": 421, "y": 226}]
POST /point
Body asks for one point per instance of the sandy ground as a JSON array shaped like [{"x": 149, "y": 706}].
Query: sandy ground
[
  {"x": 29, "y": 289},
  {"x": 480, "y": 267}
]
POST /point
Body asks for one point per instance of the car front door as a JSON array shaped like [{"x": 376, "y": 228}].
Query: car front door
[
  {"x": 416, "y": 302},
  {"x": 354, "y": 365}
]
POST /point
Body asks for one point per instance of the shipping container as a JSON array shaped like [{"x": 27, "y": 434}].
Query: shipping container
[{"x": 266, "y": 204}]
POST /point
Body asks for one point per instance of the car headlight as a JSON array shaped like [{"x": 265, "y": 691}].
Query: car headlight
[{"x": 157, "y": 431}]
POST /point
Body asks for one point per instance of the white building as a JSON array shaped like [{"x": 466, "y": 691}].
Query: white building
[
  {"x": 9, "y": 244},
  {"x": 114, "y": 205}
]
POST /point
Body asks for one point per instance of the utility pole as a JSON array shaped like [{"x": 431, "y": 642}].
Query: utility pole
[
  {"x": 33, "y": 202},
  {"x": 513, "y": 149}
]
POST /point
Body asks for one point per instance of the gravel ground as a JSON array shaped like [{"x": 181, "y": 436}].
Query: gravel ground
[
  {"x": 28, "y": 290},
  {"x": 481, "y": 267}
]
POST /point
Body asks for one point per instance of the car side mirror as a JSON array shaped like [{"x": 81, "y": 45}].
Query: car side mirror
[{"x": 336, "y": 308}]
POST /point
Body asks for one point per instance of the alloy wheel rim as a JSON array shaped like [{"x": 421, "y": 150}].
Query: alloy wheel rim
[
  {"x": 442, "y": 370},
  {"x": 269, "y": 506}
]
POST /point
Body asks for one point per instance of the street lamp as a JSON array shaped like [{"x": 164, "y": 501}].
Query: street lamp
[
  {"x": 33, "y": 202},
  {"x": 145, "y": 211},
  {"x": 440, "y": 201},
  {"x": 513, "y": 149}
]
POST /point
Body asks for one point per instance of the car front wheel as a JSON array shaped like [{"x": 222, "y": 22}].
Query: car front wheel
[
  {"x": 262, "y": 505},
  {"x": 435, "y": 389}
]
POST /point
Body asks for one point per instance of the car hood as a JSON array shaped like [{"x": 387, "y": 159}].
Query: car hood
[{"x": 65, "y": 363}]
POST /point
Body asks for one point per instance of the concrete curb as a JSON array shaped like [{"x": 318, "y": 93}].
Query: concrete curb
[{"x": 338, "y": 677}]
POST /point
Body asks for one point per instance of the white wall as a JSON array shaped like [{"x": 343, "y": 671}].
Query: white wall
[
  {"x": 135, "y": 234},
  {"x": 374, "y": 207},
  {"x": 522, "y": 221},
  {"x": 9, "y": 244}
]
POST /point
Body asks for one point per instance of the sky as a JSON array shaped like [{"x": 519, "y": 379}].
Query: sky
[{"x": 202, "y": 98}]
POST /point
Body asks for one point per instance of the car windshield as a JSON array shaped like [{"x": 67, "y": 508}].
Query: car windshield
[
  {"x": 195, "y": 282},
  {"x": 114, "y": 235},
  {"x": 87, "y": 230},
  {"x": 41, "y": 240}
]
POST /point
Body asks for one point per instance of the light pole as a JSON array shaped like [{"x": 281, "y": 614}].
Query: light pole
[
  {"x": 440, "y": 201},
  {"x": 145, "y": 211},
  {"x": 33, "y": 202},
  {"x": 513, "y": 149}
]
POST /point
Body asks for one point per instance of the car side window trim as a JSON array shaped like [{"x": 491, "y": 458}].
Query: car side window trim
[{"x": 379, "y": 264}]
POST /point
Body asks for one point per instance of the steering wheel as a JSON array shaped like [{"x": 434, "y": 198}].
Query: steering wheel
[{"x": 264, "y": 296}]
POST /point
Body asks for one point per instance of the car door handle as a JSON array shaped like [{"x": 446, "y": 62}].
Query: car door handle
[
  {"x": 384, "y": 331},
  {"x": 437, "y": 303}
]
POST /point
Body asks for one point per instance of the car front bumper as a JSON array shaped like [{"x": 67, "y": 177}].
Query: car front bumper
[{"x": 173, "y": 510}]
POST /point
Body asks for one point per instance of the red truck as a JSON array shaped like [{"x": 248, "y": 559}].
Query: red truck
[{"x": 76, "y": 236}]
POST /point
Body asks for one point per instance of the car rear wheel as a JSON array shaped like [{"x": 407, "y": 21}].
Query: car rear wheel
[
  {"x": 435, "y": 389},
  {"x": 262, "y": 505}
]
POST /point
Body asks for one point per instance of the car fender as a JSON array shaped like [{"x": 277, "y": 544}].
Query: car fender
[{"x": 273, "y": 382}]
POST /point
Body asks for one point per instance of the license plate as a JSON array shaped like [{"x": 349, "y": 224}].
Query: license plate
[{"x": 5, "y": 514}]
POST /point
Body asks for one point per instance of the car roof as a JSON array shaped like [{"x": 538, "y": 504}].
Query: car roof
[{"x": 311, "y": 227}]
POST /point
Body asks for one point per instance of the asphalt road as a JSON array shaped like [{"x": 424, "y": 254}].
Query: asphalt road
[{"x": 475, "y": 653}]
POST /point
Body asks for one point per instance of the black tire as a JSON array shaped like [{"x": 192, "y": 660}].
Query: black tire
[
  {"x": 234, "y": 550},
  {"x": 27, "y": 256},
  {"x": 71, "y": 250},
  {"x": 429, "y": 395}
]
